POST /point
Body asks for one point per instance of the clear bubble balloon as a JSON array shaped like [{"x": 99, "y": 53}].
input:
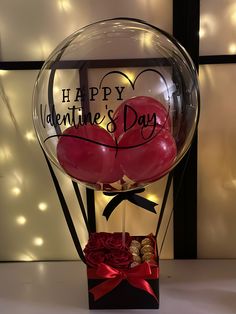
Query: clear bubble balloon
[{"x": 116, "y": 104}]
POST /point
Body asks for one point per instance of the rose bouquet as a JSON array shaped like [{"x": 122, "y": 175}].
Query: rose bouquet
[{"x": 108, "y": 248}]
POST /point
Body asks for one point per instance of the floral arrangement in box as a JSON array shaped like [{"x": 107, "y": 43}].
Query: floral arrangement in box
[{"x": 122, "y": 270}]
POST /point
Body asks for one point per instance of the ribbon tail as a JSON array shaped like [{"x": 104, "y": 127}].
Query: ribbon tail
[
  {"x": 102, "y": 289},
  {"x": 142, "y": 284},
  {"x": 143, "y": 202},
  {"x": 112, "y": 205}
]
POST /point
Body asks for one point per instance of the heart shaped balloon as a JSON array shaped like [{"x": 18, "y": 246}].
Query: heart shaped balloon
[{"x": 88, "y": 154}]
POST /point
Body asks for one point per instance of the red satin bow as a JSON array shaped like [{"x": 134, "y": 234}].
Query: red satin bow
[{"x": 135, "y": 276}]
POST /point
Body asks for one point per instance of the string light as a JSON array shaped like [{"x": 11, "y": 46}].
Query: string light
[
  {"x": 64, "y": 5},
  {"x": 232, "y": 48},
  {"x": 202, "y": 33},
  {"x": 56, "y": 89},
  {"x": 5, "y": 154},
  {"x": 146, "y": 39},
  {"x": 3, "y": 72},
  {"x": 21, "y": 220},
  {"x": 131, "y": 76},
  {"x": 231, "y": 13},
  {"x": 30, "y": 136},
  {"x": 153, "y": 198},
  {"x": 42, "y": 206},
  {"x": 38, "y": 241},
  {"x": 208, "y": 25},
  {"x": 16, "y": 191}
]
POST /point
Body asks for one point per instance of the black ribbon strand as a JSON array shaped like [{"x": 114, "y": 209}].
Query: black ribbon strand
[
  {"x": 65, "y": 210},
  {"x": 132, "y": 197}
]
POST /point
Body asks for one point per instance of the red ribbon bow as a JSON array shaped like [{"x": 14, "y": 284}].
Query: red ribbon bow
[{"x": 135, "y": 276}]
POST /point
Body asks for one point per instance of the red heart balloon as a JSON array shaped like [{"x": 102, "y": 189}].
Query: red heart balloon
[
  {"x": 88, "y": 154},
  {"x": 133, "y": 112},
  {"x": 145, "y": 160}
]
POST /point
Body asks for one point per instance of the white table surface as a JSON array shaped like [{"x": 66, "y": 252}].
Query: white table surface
[{"x": 186, "y": 287}]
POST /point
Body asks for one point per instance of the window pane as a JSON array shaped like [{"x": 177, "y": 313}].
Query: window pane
[
  {"x": 217, "y": 27},
  {"x": 216, "y": 162},
  {"x": 30, "y": 30}
]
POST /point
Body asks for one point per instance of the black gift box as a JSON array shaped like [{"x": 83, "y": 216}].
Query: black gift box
[{"x": 125, "y": 295}]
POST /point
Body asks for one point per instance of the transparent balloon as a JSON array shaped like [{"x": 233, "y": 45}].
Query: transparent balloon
[{"x": 116, "y": 104}]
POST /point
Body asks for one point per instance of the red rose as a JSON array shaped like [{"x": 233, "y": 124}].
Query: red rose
[
  {"x": 94, "y": 258},
  {"x": 108, "y": 248},
  {"x": 119, "y": 258},
  {"x": 96, "y": 241},
  {"x": 115, "y": 241}
]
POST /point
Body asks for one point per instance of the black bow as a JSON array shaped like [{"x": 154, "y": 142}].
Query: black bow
[{"x": 130, "y": 196}]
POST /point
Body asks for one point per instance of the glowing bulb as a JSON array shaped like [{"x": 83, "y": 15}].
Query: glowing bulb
[
  {"x": 42, "y": 206},
  {"x": 233, "y": 17},
  {"x": 30, "y": 136},
  {"x": 232, "y": 48},
  {"x": 5, "y": 154},
  {"x": 208, "y": 25},
  {"x": 3, "y": 72},
  {"x": 153, "y": 198},
  {"x": 202, "y": 33},
  {"x": 130, "y": 75},
  {"x": 56, "y": 89},
  {"x": 231, "y": 12},
  {"x": 16, "y": 191},
  {"x": 64, "y": 5},
  {"x": 38, "y": 241},
  {"x": 21, "y": 220},
  {"x": 146, "y": 39}
]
